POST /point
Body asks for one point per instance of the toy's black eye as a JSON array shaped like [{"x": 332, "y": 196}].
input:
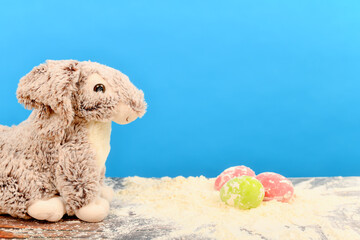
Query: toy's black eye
[{"x": 99, "y": 88}]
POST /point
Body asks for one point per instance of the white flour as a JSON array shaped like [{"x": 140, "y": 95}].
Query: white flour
[{"x": 193, "y": 206}]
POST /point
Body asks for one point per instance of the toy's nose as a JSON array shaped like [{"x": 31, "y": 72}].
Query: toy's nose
[{"x": 125, "y": 114}]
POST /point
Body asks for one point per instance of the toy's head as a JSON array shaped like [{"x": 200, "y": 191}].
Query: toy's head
[{"x": 67, "y": 90}]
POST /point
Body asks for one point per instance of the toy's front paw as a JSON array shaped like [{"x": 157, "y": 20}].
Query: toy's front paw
[
  {"x": 95, "y": 211},
  {"x": 107, "y": 193},
  {"x": 51, "y": 210}
]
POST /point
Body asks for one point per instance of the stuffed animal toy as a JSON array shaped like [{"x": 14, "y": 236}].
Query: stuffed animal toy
[{"x": 54, "y": 162}]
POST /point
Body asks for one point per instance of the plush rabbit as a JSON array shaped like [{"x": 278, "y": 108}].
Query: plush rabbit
[{"x": 54, "y": 162}]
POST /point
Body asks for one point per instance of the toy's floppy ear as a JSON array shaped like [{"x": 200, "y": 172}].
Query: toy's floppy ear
[{"x": 49, "y": 88}]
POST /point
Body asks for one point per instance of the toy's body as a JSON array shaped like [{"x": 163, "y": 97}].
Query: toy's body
[{"x": 54, "y": 162}]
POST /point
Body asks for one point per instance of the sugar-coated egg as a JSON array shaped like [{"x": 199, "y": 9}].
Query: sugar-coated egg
[
  {"x": 243, "y": 192},
  {"x": 230, "y": 173},
  {"x": 277, "y": 187}
]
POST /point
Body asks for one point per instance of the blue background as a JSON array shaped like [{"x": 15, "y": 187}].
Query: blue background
[{"x": 273, "y": 85}]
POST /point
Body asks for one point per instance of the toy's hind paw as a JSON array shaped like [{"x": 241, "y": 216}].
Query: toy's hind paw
[
  {"x": 51, "y": 210},
  {"x": 95, "y": 211}
]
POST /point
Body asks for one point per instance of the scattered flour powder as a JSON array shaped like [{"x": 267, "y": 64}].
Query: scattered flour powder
[{"x": 193, "y": 206}]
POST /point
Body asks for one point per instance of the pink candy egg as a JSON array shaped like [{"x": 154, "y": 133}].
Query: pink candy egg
[
  {"x": 230, "y": 173},
  {"x": 277, "y": 187}
]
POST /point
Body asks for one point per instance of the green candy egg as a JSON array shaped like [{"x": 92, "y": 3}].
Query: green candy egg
[{"x": 243, "y": 192}]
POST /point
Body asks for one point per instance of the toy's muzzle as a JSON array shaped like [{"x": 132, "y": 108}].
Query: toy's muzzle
[{"x": 126, "y": 114}]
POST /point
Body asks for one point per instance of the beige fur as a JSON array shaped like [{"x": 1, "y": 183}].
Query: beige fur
[
  {"x": 53, "y": 162},
  {"x": 99, "y": 137}
]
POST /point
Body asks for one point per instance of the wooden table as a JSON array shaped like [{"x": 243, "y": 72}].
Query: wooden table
[{"x": 70, "y": 227}]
